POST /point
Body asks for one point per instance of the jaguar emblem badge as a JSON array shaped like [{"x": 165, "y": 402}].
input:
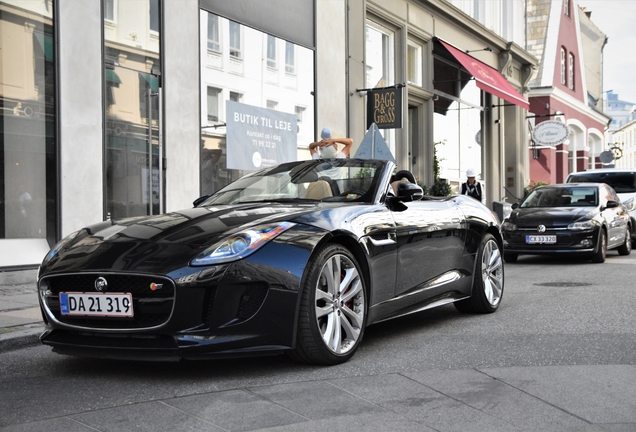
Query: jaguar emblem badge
[
  {"x": 101, "y": 284},
  {"x": 541, "y": 228}
]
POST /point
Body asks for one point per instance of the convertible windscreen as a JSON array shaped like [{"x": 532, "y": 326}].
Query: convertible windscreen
[
  {"x": 326, "y": 180},
  {"x": 559, "y": 197}
]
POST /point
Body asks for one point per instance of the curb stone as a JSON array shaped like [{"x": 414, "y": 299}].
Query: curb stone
[{"x": 13, "y": 338}]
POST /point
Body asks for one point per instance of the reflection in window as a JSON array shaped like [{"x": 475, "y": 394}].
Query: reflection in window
[
  {"x": 235, "y": 39},
  {"x": 571, "y": 71},
  {"x": 379, "y": 55},
  {"x": 132, "y": 83},
  {"x": 213, "y": 104},
  {"x": 154, "y": 15},
  {"x": 414, "y": 63},
  {"x": 252, "y": 82},
  {"x": 213, "y": 33},
  {"x": 563, "y": 76},
  {"x": 28, "y": 147},
  {"x": 457, "y": 120},
  {"x": 290, "y": 58},
  {"x": 109, "y": 10},
  {"x": 271, "y": 51}
]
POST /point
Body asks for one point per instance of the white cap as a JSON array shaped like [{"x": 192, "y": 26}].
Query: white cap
[
  {"x": 470, "y": 172},
  {"x": 326, "y": 133}
]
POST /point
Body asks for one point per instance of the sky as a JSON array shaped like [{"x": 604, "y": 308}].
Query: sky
[{"x": 617, "y": 19}]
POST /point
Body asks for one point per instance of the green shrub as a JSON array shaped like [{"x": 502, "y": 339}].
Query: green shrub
[{"x": 441, "y": 188}]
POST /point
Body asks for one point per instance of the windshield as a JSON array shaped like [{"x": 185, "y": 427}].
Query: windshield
[
  {"x": 319, "y": 180},
  {"x": 561, "y": 196},
  {"x": 621, "y": 182}
]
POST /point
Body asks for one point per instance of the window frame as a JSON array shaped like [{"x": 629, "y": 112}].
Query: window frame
[
  {"x": 236, "y": 52},
  {"x": 563, "y": 67},
  {"x": 290, "y": 68},
  {"x": 571, "y": 71},
  {"x": 219, "y": 96},
  {"x": 271, "y": 52},
  {"x": 218, "y": 35}
]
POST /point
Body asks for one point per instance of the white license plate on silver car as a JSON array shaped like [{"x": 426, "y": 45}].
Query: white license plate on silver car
[
  {"x": 96, "y": 304},
  {"x": 540, "y": 239}
]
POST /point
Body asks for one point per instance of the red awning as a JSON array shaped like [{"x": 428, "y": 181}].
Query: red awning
[{"x": 488, "y": 78}]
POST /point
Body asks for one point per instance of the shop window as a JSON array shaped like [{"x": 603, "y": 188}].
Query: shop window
[
  {"x": 28, "y": 119},
  {"x": 271, "y": 51},
  {"x": 245, "y": 87},
  {"x": 235, "y": 40},
  {"x": 132, "y": 82},
  {"x": 457, "y": 120},
  {"x": 213, "y": 33},
  {"x": 290, "y": 58}
]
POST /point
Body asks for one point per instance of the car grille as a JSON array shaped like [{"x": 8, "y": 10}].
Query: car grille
[{"x": 151, "y": 308}]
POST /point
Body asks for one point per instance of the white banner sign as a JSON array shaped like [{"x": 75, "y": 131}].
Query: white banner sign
[{"x": 259, "y": 137}]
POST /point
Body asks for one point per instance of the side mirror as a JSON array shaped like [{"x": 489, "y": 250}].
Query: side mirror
[
  {"x": 515, "y": 206},
  {"x": 409, "y": 191},
  {"x": 612, "y": 204},
  {"x": 199, "y": 200}
]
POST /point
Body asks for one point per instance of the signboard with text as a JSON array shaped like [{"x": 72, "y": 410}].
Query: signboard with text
[
  {"x": 384, "y": 108},
  {"x": 550, "y": 133},
  {"x": 259, "y": 137}
]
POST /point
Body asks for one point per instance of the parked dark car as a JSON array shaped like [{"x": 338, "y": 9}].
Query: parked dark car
[
  {"x": 585, "y": 219},
  {"x": 297, "y": 258},
  {"x": 623, "y": 181}
]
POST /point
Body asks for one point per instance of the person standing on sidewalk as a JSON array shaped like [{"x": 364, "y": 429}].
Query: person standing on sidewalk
[
  {"x": 471, "y": 186},
  {"x": 327, "y": 147}
]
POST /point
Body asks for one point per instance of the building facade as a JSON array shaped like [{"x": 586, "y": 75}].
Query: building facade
[{"x": 122, "y": 108}]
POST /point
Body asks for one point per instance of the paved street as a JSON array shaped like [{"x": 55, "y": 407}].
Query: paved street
[{"x": 559, "y": 355}]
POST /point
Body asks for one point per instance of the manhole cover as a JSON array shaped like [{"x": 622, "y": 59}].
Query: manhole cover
[{"x": 564, "y": 284}]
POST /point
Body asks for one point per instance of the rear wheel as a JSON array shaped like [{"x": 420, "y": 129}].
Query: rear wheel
[
  {"x": 626, "y": 248},
  {"x": 333, "y": 309},
  {"x": 488, "y": 281},
  {"x": 601, "y": 252}
]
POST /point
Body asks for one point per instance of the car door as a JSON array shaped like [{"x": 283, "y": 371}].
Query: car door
[
  {"x": 614, "y": 217},
  {"x": 430, "y": 242}
]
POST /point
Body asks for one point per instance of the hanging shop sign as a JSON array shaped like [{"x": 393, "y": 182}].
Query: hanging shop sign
[
  {"x": 384, "y": 107},
  {"x": 550, "y": 133}
]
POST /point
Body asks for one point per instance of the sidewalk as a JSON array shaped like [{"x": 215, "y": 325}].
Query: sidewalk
[{"x": 20, "y": 317}]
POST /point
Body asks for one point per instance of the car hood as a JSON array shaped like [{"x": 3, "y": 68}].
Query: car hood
[
  {"x": 557, "y": 217},
  {"x": 169, "y": 241}
]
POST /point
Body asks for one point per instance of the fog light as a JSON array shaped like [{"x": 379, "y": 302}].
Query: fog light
[{"x": 586, "y": 243}]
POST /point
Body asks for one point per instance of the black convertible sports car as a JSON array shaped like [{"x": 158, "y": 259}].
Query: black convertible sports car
[
  {"x": 585, "y": 219},
  {"x": 297, "y": 258}
]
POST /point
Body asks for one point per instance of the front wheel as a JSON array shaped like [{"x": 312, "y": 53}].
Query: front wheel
[
  {"x": 601, "y": 253},
  {"x": 488, "y": 281},
  {"x": 626, "y": 248},
  {"x": 333, "y": 309}
]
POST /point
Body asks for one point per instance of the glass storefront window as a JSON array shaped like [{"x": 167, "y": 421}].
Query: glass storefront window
[
  {"x": 132, "y": 85},
  {"x": 246, "y": 69},
  {"x": 380, "y": 65},
  {"x": 457, "y": 122},
  {"x": 28, "y": 170}
]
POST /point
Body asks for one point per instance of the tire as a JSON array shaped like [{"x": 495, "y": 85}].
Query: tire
[
  {"x": 488, "y": 281},
  {"x": 333, "y": 309},
  {"x": 510, "y": 257},
  {"x": 601, "y": 252},
  {"x": 626, "y": 248}
]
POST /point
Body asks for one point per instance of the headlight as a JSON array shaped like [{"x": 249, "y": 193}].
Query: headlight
[
  {"x": 240, "y": 245},
  {"x": 582, "y": 225},
  {"x": 65, "y": 241},
  {"x": 630, "y": 204},
  {"x": 508, "y": 226}
]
